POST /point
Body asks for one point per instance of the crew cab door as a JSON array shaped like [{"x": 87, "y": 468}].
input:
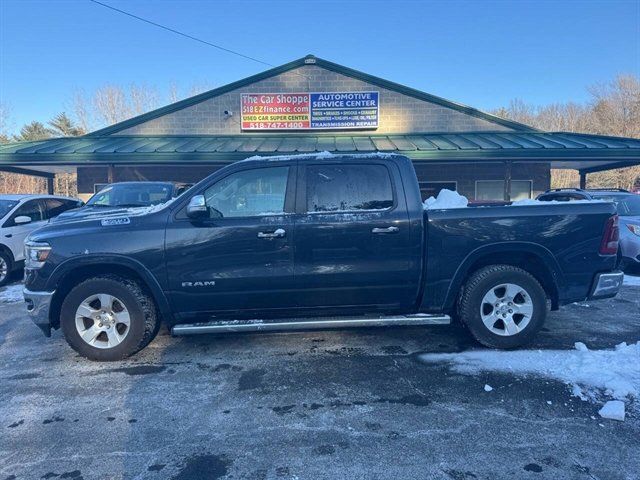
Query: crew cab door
[
  {"x": 240, "y": 259},
  {"x": 14, "y": 234},
  {"x": 353, "y": 240}
]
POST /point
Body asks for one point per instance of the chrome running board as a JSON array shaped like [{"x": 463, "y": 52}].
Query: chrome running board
[{"x": 230, "y": 326}]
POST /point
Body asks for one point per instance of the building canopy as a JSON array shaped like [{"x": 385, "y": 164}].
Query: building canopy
[{"x": 587, "y": 153}]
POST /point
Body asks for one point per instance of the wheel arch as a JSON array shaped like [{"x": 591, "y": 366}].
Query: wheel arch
[
  {"x": 73, "y": 272},
  {"x": 533, "y": 258},
  {"x": 5, "y": 249}
]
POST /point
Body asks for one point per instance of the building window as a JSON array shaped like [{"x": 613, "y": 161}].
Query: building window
[
  {"x": 432, "y": 189},
  {"x": 99, "y": 186},
  {"x": 494, "y": 189}
]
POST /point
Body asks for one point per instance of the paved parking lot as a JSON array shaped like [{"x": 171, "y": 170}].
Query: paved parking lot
[{"x": 353, "y": 404}]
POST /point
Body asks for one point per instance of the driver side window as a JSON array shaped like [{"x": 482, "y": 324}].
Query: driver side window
[{"x": 249, "y": 193}]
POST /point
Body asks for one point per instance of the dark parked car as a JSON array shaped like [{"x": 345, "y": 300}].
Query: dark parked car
[
  {"x": 123, "y": 195},
  {"x": 628, "y": 205},
  {"x": 315, "y": 242}
]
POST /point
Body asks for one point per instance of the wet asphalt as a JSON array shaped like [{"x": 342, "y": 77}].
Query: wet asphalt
[{"x": 350, "y": 404}]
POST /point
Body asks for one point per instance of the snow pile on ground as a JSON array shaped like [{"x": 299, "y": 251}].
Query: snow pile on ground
[
  {"x": 631, "y": 281},
  {"x": 11, "y": 294},
  {"x": 446, "y": 199},
  {"x": 615, "y": 372},
  {"x": 613, "y": 409}
]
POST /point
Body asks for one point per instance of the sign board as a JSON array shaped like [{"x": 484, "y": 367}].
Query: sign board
[{"x": 309, "y": 111}]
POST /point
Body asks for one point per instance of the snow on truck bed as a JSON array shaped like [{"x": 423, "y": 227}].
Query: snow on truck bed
[{"x": 449, "y": 199}]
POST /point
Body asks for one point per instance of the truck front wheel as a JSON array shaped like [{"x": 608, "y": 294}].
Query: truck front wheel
[
  {"x": 503, "y": 306},
  {"x": 108, "y": 318}
]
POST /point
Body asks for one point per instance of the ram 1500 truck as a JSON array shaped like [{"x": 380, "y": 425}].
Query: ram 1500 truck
[{"x": 314, "y": 241}]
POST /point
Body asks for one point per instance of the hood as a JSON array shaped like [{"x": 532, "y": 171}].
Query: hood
[
  {"x": 89, "y": 212},
  {"x": 96, "y": 220},
  {"x": 82, "y": 212}
]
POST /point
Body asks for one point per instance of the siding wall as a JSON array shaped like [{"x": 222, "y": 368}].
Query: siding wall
[{"x": 398, "y": 113}]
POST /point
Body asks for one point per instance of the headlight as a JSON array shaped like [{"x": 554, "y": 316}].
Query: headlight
[
  {"x": 635, "y": 229},
  {"x": 36, "y": 253}
]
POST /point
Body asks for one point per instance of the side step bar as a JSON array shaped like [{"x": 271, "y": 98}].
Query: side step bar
[{"x": 319, "y": 323}]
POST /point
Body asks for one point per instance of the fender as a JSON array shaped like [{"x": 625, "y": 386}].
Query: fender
[
  {"x": 68, "y": 266},
  {"x": 501, "y": 248}
]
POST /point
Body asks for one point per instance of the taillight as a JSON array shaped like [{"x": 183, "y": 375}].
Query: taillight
[{"x": 609, "y": 244}]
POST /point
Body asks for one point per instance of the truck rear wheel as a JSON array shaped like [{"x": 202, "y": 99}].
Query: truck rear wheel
[
  {"x": 108, "y": 318},
  {"x": 503, "y": 306}
]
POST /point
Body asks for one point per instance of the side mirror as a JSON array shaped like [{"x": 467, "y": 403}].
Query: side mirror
[
  {"x": 197, "y": 207},
  {"x": 22, "y": 220}
]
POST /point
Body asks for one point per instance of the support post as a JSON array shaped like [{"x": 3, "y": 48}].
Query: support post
[
  {"x": 50, "y": 185},
  {"x": 507, "y": 181},
  {"x": 111, "y": 174},
  {"x": 583, "y": 180}
]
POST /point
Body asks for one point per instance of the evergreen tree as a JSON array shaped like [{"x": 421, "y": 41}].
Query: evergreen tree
[
  {"x": 33, "y": 131},
  {"x": 62, "y": 126}
]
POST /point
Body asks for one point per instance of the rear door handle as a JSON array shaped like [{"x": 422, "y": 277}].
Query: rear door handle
[
  {"x": 279, "y": 233},
  {"x": 386, "y": 230}
]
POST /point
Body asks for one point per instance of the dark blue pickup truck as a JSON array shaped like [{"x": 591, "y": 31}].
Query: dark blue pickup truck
[{"x": 314, "y": 241}]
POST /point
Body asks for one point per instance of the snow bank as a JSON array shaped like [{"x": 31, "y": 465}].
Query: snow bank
[
  {"x": 446, "y": 199},
  {"x": 616, "y": 372},
  {"x": 11, "y": 294}
]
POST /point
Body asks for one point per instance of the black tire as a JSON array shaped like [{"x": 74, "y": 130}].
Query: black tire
[
  {"x": 143, "y": 326},
  {"x": 480, "y": 284},
  {"x": 5, "y": 259}
]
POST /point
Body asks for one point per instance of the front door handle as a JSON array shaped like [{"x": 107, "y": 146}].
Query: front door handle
[
  {"x": 386, "y": 230},
  {"x": 279, "y": 233},
  {"x": 9, "y": 235}
]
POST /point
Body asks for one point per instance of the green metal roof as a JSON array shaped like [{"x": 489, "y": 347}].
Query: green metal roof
[
  {"x": 301, "y": 62},
  {"x": 590, "y": 151}
]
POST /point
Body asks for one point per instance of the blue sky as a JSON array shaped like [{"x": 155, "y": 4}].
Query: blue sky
[{"x": 482, "y": 54}]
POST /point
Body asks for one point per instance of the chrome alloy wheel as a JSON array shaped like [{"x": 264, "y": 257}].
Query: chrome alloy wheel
[
  {"x": 4, "y": 269},
  {"x": 102, "y": 321},
  {"x": 506, "y": 309}
]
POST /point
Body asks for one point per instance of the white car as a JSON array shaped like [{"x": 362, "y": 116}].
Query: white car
[{"x": 19, "y": 216}]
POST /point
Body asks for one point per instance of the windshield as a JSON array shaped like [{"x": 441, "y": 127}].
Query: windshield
[
  {"x": 627, "y": 205},
  {"x": 132, "y": 195},
  {"x": 6, "y": 206}
]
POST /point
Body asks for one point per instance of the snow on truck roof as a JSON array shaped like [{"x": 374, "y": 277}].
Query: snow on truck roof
[{"x": 320, "y": 156}]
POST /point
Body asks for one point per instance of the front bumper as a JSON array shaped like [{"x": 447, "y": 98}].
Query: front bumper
[
  {"x": 38, "y": 305},
  {"x": 606, "y": 285}
]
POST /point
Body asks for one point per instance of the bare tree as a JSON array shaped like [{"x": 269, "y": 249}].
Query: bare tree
[{"x": 614, "y": 109}]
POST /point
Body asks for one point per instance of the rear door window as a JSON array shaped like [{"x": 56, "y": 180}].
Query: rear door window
[{"x": 347, "y": 188}]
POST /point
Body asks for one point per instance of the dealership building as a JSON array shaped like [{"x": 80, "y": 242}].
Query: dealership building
[{"x": 313, "y": 105}]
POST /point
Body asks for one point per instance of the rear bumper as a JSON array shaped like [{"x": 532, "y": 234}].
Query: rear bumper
[
  {"x": 606, "y": 285},
  {"x": 38, "y": 305}
]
